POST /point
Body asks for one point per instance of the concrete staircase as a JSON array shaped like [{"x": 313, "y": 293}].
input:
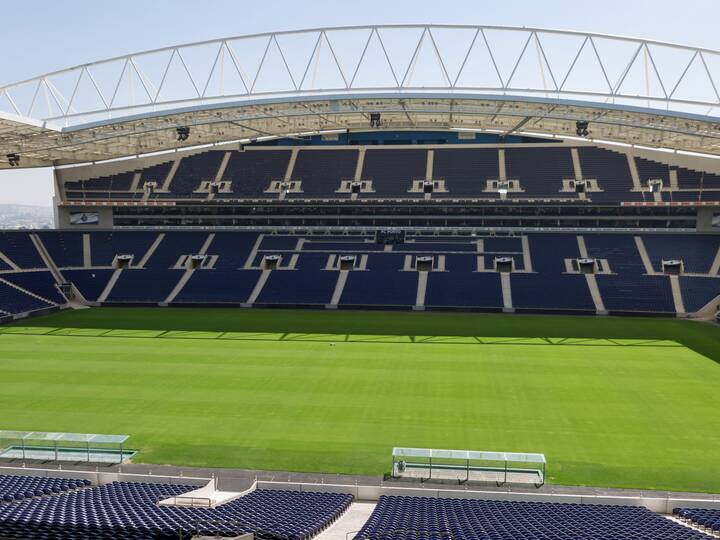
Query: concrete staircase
[
  {"x": 339, "y": 288},
  {"x": 506, "y": 292},
  {"x": 189, "y": 272}
]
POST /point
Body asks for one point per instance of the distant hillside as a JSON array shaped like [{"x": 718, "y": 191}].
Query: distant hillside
[{"x": 18, "y": 216}]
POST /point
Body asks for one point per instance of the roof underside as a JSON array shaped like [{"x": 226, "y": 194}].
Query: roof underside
[{"x": 41, "y": 144}]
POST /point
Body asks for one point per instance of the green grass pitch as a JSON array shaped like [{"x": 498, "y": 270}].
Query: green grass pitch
[{"x": 611, "y": 402}]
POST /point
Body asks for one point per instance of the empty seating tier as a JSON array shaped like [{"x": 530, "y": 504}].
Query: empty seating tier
[
  {"x": 702, "y": 517},
  {"x": 414, "y": 518},
  {"x": 130, "y": 511},
  {"x": 541, "y": 271},
  {"x": 465, "y": 171},
  {"x": 17, "y": 488}
]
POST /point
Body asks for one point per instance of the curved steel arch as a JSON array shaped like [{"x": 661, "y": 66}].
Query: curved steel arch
[{"x": 447, "y": 59}]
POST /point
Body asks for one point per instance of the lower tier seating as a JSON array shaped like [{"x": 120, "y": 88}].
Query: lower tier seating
[
  {"x": 544, "y": 274},
  {"x": 702, "y": 517},
  {"x": 129, "y": 511},
  {"x": 17, "y": 488},
  {"x": 416, "y": 518},
  {"x": 15, "y": 301}
]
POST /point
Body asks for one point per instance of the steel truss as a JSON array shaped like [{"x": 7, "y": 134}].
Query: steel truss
[{"x": 448, "y": 59}]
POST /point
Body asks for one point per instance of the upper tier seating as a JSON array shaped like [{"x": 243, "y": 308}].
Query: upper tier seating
[
  {"x": 17, "y": 488},
  {"x": 540, "y": 171},
  {"x": 393, "y": 171},
  {"x": 612, "y": 172},
  {"x": 322, "y": 170},
  {"x": 193, "y": 170},
  {"x": 252, "y": 171},
  {"x": 155, "y": 173},
  {"x": 704, "y": 517},
  {"x": 466, "y": 171},
  {"x": 652, "y": 170},
  {"x": 129, "y": 511},
  {"x": 116, "y": 182},
  {"x": 701, "y": 181},
  {"x": 411, "y": 518}
]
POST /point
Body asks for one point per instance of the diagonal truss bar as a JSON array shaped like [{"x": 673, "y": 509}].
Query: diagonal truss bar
[
  {"x": 465, "y": 58},
  {"x": 108, "y": 95},
  {"x": 362, "y": 56},
  {"x": 335, "y": 58},
  {"x": 527, "y": 42}
]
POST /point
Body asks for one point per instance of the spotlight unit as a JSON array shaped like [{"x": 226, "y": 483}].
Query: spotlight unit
[
  {"x": 183, "y": 133},
  {"x": 581, "y": 128},
  {"x": 13, "y": 160}
]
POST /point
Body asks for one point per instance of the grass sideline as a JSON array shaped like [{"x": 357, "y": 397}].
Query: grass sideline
[{"x": 611, "y": 402}]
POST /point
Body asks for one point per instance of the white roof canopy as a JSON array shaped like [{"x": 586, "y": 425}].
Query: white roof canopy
[{"x": 90, "y": 438}]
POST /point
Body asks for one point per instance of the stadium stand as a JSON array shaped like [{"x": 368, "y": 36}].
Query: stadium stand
[
  {"x": 90, "y": 283},
  {"x": 466, "y": 171},
  {"x": 193, "y": 170},
  {"x": 701, "y": 517},
  {"x": 305, "y": 285},
  {"x": 548, "y": 287},
  {"x": 40, "y": 283},
  {"x": 539, "y": 169},
  {"x": 392, "y": 172},
  {"x": 252, "y": 171},
  {"x": 697, "y": 256},
  {"x": 65, "y": 248},
  {"x": 628, "y": 289},
  {"x": 612, "y": 172},
  {"x": 17, "y": 488},
  {"x": 405, "y": 518},
  {"x": 14, "y": 301},
  {"x": 384, "y": 284},
  {"x": 129, "y": 511},
  {"x": 19, "y": 247},
  {"x": 539, "y": 280},
  {"x": 321, "y": 171},
  {"x": 106, "y": 245}
]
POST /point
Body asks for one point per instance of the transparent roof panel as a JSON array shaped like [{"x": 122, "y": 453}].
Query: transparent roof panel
[
  {"x": 64, "y": 437},
  {"x": 468, "y": 454}
]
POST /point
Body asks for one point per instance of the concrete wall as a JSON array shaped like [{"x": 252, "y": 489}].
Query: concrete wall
[
  {"x": 100, "y": 477},
  {"x": 663, "y": 505}
]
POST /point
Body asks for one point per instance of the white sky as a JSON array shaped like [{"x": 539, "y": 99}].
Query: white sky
[{"x": 45, "y": 36}]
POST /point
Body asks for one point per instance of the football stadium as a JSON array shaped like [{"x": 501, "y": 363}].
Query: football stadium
[{"x": 401, "y": 282}]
